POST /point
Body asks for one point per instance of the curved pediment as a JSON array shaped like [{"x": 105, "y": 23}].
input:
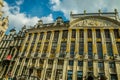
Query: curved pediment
[{"x": 94, "y": 21}]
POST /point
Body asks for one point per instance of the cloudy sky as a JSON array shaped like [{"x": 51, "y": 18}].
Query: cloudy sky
[{"x": 28, "y": 12}]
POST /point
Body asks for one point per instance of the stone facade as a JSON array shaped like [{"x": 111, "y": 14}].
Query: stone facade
[
  {"x": 3, "y": 21},
  {"x": 85, "y": 48}
]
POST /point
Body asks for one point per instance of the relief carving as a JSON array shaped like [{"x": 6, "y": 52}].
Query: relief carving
[{"x": 92, "y": 22}]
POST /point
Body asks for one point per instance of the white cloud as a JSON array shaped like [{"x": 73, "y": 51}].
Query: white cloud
[
  {"x": 47, "y": 19},
  {"x": 78, "y": 6},
  {"x": 18, "y": 20},
  {"x": 19, "y": 2}
]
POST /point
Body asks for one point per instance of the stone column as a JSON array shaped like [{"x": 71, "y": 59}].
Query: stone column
[
  {"x": 56, "y": 60},
  {"x": 50, "y": 43},
  {"x": 85, "y": 62},
  {"x": 35, "y": 45},
  {"x": 4, "y": 44},
  {"x": 59, "y": 43},
  {"x": 95, "y": 55},
  {"x": 7, "y": 44},
  {"x": 75, "y": 70},
  {"x": 44, "y": 69},
  {"x": 117, "y": 64},
  {"x": 1, "y": 43},
  {"x": 76, "y": 55},
  {"x": 2, "y": 72},
  {"x": 106, "y": 65},
  {"x": 21, "y": 67},
  {"x": 114, "y": 47},
  {"x": 29, "y": 45},
  {"x": 23, "y": 44},
  {"x": 45, "y": 61},
  {"x": 64, "y": 75},
  {"x": 54, "y": 69},
  {"x": 42, "y": 43},
  {"x": 15, "y": 67}
]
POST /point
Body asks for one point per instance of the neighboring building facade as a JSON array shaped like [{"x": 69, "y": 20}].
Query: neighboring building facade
[
  {"x": 85, "y": 48},
  {"x": 3, "y": 22}
]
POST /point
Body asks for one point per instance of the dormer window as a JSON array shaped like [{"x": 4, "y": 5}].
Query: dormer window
[
  {"x": 3, "y": 24},
  {"x": 59, "y": 21}
]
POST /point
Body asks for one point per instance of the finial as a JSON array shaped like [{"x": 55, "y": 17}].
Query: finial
[
  {"x": 115, "y": 10},
  {"x": 99, "y": 11},
  {"x": 71, "y": 12},
  {"x": 84, "y": 11},
  {"x": 7, "y": 17}
]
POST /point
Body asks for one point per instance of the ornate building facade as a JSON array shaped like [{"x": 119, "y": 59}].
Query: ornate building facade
[
  {"x": 85, "y": 48},
  {"x": 3, "y": 21}
]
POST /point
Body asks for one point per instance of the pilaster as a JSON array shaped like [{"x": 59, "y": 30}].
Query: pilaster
[
  {"x": 59, "y": 42},
  {"x": 35, "y": 45},
  {"x": 106, "y": 65},
  {"x": 76, "y": 55},
  {"x": 42, "y": 43},
  {"x": 75, "y": 70},
  {"x": 45, "y": 61},
  {"x": 64, "y": 75},
  {"x": 15, "y": 67},
  {"x": 95, "y": 63},
  {"x": 85, "y": 62},
  {"x": 29, "y": 45},
  {"x": 21, "y": 67},
  {"x": 23, "y": 44},
  {"x": 56, "y": 60},
  {"x": 114, "y": 47}
]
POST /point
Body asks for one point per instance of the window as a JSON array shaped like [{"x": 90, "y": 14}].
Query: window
[
  {"x": 79, "y": 75},
  {"x": 29, "y": 36},
  {"x": 41, "y": 35},
  {"x": 99, "y": 50},
  {"x": 48, "y": 35},
  {"x": 56, "y": 35},
  {"x": 90, "y": 63},
  {"x": 45, "y": 47},
  {"x": 89, "y": 33},
  {"x": 114, "y": 77},
  {"x": 116, "y": 33},
  {"x": 63, "y": 47},
  {"x": 112, "y": 65},
  {"x": 81, "y": 33},
  {"x": 50, "y": 61},
  {"x": 72, "y": 48},
  {"x": 65, "y": 34},
  {"x": 90, "y": 49},
  {"x": 107, "y": 33},
  {"x": 73, "y": 33},
  {"x": 100, "y": 64},
  {"x": 35, "y": 36},
  {"x": 37, "y": 49},
  {"x": 69, "y": 77},
  {"x": 54, "y": 45},
  {"x": 118, "y": 47},
  {"x": 80, "y": 63},
  {"x": 71, "y": 62},
  {"x": 109, "y": 48},
  {"x": 98, "y": 35},
  {"x": 81, "y": 48}
]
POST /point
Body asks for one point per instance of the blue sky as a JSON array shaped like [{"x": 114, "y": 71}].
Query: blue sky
[{"x": 28, "y": 12}]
